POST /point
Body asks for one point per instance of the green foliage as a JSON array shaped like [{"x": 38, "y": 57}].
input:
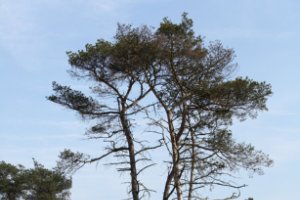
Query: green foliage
[
  {"x": 38, "y": 183},
  {"x": 191, "y": 96},
  {"x": 11, "y": 181}
]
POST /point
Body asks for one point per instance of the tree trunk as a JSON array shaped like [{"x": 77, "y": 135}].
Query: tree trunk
[
  {"x": 175, "y": 157},
  {"x": 131, "y": 150},
  {"x": 191, "y": 189},
  {"x": 170, "y": 177}
]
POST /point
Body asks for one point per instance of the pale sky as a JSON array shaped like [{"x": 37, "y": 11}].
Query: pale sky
[{"x": 35, "y": 34}]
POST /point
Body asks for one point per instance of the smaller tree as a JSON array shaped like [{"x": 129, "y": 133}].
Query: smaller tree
[
  {"x": 33, "y": 184},
  {"x": 11, "y": 181}
]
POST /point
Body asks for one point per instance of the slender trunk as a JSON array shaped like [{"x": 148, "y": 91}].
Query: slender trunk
[
  {"x": 131, "y": 150},
  {"x": 175, "y": 173},
  {"x": 170, "y": 177},
  {"x": 175, "y": 157},
  {"x": 190, "y": 195},
  {"x": 177, "y": 181}
]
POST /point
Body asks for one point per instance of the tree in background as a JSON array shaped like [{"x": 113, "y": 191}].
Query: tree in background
[
  {"x": 188, "y": 96},
  {"x": 11, "y": 181},
  {"x": 38, "y": 183}
]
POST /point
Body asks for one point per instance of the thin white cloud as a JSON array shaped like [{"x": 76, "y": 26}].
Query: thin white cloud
[
  {"x": 107, "y": 5},
  {"x": 19, "y": 33},
  {"x": 112, "y": 6},
  {"x": 254, "y": 34},
  {"x": 14, "y": 20},
  {"x": 25, "y": 32},
  {"x": 32, "y": 31},
  {"x": 41, "y": 137},
  {"x": 284, "y": 150}
]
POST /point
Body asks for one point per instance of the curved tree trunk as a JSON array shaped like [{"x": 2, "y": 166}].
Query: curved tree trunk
[{"x": 175, "y": 157}]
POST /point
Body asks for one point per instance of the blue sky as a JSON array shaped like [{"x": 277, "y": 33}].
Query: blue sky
[{"x": 35, "y": 34}]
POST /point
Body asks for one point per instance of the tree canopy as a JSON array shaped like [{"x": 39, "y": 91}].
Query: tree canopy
[
  {"x": 37, "y": 183},
  {"x": 188, "y": 95}
]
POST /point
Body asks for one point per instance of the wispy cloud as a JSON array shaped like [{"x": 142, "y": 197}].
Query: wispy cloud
[
  {"x": 252, "y": 34},
  {"x": 19, "y": 33},
  {"x": 284, "y": 149},
  {"x": 30, "y": 30},
  {"x": 111, "y": 6},
  {"x": 15, "y": 20},
  {"x": 41, "y": 137},
  {"x": 107, "y": 5}
]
